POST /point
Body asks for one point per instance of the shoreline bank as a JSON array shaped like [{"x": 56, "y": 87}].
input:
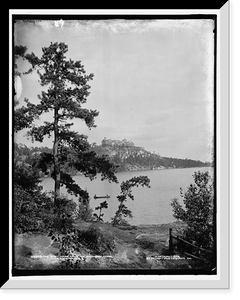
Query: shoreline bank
[{"x": 134, "y": 245}]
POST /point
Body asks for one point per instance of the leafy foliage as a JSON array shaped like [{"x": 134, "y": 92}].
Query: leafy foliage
[
  {"x": 85, "y": 213},
  {"x": 24, "y": 208},
  {"x": 33, "y": 209},
  {"x": 102, "y": 205},
  {"x": 37, "y": 213},
  {"x": 198, "y": 211},
  {"x": 31, "y": 206},
  {"x": 126, "y": 192},
  {"x": 95, "y": 240},
  {"x": 26, "y": 177},
  {"x": 77, "y": 241}
]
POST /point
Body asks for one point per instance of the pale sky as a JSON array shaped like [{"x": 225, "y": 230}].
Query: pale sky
[{"x": 153, "y": 80}]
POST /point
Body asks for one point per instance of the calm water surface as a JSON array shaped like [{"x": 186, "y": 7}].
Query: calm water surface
[{"x": 151, "y": 205}]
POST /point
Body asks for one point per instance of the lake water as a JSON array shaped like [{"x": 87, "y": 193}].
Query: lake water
[{"x": 151, "y": 205}]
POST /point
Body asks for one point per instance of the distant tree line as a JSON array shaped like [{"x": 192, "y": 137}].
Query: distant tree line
[
  {"x": 126, "y": 158},
  {"x": 153, "y": 161}
]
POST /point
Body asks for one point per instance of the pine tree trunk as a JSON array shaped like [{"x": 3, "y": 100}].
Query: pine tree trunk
[{"x": 56, "y": 163}]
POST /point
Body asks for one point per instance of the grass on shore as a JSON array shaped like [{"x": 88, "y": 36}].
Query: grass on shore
[{"x": 135, "y": 247}]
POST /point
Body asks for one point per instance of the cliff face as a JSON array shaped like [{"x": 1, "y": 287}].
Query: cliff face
[{"x": 130, "y": 157}]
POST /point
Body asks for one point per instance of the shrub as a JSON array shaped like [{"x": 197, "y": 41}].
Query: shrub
[
  {"x": 35, "y": 211},
  {"x": 32, "y": 212},
  {"x": 101, "y": 206},
  {"x": 91, "y": 241},
  {"x": 85, "y": 213},
  {"x": 27, "y": 177},
  {"x": 95, "y": 240},
  {"x": 197, "y": 213}
]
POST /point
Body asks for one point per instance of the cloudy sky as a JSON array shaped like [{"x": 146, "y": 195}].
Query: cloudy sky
[{"x": 153, "y": 80}]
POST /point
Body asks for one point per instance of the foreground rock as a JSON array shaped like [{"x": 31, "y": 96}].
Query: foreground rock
[{"x": 155, "y": 242}]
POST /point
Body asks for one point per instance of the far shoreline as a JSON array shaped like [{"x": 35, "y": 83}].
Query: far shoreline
[{"x": 127, "y": 171}]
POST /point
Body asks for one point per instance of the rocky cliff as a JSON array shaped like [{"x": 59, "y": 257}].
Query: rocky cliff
[{"x": 130, "y": 157}]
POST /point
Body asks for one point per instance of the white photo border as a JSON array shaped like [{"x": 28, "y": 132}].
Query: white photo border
[{"x": 222, "y": 279}]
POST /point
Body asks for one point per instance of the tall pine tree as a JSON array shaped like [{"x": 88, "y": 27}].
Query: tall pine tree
[{"x": 66, "y": 91}]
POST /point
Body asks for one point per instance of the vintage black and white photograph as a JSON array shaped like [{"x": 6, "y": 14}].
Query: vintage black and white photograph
[{"x": 114, "y": 144}]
